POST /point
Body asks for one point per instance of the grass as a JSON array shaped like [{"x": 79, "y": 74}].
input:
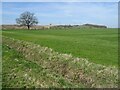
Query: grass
[
  {"x": 21, "y": 73},
  {"x": 0, "y": 59},
  {"x": 98, "y": 45},
  {"x": 75, "y": 70}
]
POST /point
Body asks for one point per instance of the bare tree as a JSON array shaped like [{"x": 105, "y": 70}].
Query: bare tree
[{"x": 27, "y": 19}]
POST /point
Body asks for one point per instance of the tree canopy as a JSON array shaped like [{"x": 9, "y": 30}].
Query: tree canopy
[{"x": 27, "y": 19}]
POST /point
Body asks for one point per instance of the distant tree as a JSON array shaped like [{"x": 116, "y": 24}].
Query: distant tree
[{"x": 27, "y": 19}]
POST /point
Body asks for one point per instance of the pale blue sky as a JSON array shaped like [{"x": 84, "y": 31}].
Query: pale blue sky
[
  {"x": 60, "y": 0},
  {"x": 63, "y": 12}
]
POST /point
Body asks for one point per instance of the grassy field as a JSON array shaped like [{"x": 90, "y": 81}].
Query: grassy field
[
  {"x": 19, "y": 72},
  {"x": 98, "y": 45},
  {"x": 60, "y": 58},
  {"x": 0, "y": 65},
  {"x": 60, "y": 70}
]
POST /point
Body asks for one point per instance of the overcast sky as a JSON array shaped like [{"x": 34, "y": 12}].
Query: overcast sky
[{"x": 104, "y": 13}]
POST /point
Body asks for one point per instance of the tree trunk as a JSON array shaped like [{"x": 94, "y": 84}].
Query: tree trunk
[{"x": 28, "y": 27}]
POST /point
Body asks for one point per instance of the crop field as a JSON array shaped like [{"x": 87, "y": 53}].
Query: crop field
[{"x": 66, "y": 57}]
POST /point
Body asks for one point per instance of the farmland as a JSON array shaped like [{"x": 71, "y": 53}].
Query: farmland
[
  {"x": 99, "y": 46},
  {"x": 66, "y": 57}
]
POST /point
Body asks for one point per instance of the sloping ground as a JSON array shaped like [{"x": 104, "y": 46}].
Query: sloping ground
[
  {"x": 19, "y": 72},
  {"x": 74, "y": 70}
]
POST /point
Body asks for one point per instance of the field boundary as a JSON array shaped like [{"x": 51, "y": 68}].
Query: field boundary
[{"x": 72, "y": 68}]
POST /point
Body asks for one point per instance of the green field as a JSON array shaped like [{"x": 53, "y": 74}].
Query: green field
[
  {"x": 68, "y": 58},
  {"x": 0, "y": 66},
  {"x": 97, "y": 45}
]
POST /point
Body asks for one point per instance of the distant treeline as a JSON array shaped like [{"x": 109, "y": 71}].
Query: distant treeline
[
  {"x": 96, "y": 26},
  {"x": 4, "y": 27}
]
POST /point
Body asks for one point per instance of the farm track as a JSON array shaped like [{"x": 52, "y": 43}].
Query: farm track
[{"x": 74, "y": 70}]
